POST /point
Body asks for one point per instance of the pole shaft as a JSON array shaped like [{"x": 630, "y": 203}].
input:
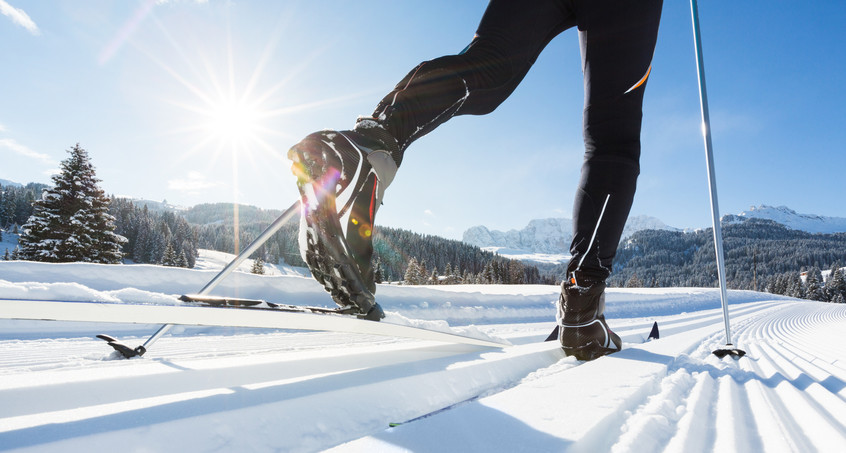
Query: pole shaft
[{"x": 709, "y": 157}]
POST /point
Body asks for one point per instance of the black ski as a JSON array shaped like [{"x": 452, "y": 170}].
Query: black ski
[
  {"x": 258, "y": 304},
  {"x": 653, "y": 334}
]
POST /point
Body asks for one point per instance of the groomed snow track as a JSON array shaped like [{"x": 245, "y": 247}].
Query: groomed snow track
[{"x": 285, "y": 391}]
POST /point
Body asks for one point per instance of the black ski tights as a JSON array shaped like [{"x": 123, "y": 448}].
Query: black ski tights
[{"x": 617, "y": 39}]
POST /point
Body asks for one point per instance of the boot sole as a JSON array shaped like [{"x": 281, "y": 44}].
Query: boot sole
[
  {"x": 326, "y": 249},
  {"x": 588, "y": 352}
]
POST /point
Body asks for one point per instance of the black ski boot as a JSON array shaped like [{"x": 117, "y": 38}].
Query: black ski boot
[
  {"x": 342, "y": 177},
  {"x": 582, "y": 331}
]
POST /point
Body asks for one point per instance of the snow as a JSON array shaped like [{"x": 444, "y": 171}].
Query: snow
[
  {"x": 523, "y": 255},
  {"x": 204, "y": 389}
]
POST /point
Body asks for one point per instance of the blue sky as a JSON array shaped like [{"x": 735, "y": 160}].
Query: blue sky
[{"x": 197, "y": 102}]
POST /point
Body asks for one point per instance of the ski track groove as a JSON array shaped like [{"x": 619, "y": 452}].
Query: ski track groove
[
  {"x": 784, "y": 378},
  {"x": 788, "y": 388}
]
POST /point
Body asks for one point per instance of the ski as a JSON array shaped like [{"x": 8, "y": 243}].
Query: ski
[
  {"x": 235, "y": 302},
  {"x": 271, "y": 318},
  {"x": 653, "y": 334}
]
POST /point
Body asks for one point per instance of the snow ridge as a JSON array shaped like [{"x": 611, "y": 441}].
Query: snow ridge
[{"x": 782, "y": 214}]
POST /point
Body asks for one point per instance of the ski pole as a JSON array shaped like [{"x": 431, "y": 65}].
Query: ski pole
[
  {"x": 712, "y": 185},
  {"x": 258, "y": 242}
]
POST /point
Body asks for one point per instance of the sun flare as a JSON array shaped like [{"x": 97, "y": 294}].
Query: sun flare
[{"x": 233, "y": 121}]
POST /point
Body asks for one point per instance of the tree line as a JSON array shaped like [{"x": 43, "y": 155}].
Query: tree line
[
  {"x": 73, "y": 220},
  {"x": 758, "y": 253},
  {"x": 16, "y": 204}
]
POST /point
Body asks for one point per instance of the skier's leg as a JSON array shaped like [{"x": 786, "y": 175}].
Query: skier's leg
[
  {"x": 618, "y": 40},
  {"x": 508, "y": 40}
]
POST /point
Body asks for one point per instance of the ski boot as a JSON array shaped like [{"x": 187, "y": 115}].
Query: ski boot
[
  {"x": 582, "y": 331},
  {"x": 342, "y": 177}
]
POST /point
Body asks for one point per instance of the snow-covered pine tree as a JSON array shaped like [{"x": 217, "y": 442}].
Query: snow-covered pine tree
[
  {"x": 634, "y": 282},
  {"x": 7, "y": 256},
  {"x": 836, "y": 284},
  {"x": 412, "y": 273},
  {"x": 182, "y": 260},
  {"x": 487, "y": 275},
  {"x": 813, "y": 284},
  {"x": 71, "y": 221},
  {"x": 378, "y": 271},
  {"x": 258, "y": 266},
  {"x": 433, "y": 278},
  {"x": 795, "y": 287},
  {"x": 169, "y": 256}
]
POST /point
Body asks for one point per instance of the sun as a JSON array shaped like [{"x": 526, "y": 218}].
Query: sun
[{"x": 233, "y": 120}]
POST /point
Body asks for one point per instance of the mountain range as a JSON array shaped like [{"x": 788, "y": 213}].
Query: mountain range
[
  {"x": 553, "y": 235},
  {"x": 6, "y": 182}
]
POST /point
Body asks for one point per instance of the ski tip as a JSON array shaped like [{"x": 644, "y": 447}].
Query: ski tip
[
  {"x": 654, "y": 335},
  {"x": 123, "y": 349}
]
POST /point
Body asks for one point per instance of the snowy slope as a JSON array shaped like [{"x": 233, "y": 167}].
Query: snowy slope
[{"x": 220, "y": 389}]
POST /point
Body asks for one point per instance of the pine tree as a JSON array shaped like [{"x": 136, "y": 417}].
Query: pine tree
[
  {"x": 433, "y": 278},
  {"x": 836, "y": 284},
  {"x": 795, "y": 287},
  {"x": 169, "y": 256},
  {"x": 634, "y": 282},
  {"x": 71, "y": 221},
  {"x": 378, "y": 271},
  {"x": 487, "y": 276},
  {"x": 423, "y": 272},
  {"x": 813, "y": 284},
  {"x": 412, "y": 273},
  {"x": 449, "y": 279},
  {"x": 7, "y": 256},
  {"x": 258, "y": 266},
  {"x": 182, "y": 261}
]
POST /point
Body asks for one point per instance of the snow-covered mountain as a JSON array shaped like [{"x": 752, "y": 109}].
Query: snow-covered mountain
[
  {"x": 539, "y": 236},
  {"x": 791, "y": 219},
  {"x": 205, "y": 389},
  {"x": 544, "y": 237}
]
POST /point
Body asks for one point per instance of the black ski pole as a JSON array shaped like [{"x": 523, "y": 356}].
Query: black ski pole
[
  {"x": 712, "y": 186},
  {"x": 258, "y": 242}
]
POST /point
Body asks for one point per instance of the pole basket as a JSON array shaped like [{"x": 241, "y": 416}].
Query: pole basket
[{"x": 730, "y": 350}]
